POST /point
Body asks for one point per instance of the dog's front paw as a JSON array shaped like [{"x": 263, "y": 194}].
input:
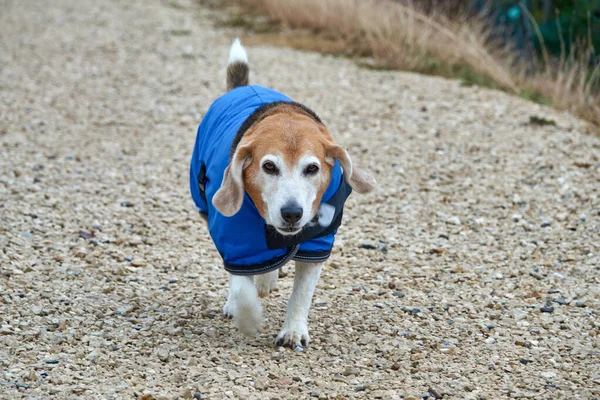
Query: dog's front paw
[
  {"x": 230, "y": 308},
  {"x": 293, "y": 338}
]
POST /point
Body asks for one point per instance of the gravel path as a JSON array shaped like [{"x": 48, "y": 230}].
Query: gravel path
[{"x": 473, "y": 272}]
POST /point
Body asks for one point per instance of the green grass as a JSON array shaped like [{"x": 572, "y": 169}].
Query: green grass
[
  {"x": 175, "y": 5},
  {"x": 540, "y": 121},
  {"x": 536, "y": 97},
  {"x": 180, "y": 32}
]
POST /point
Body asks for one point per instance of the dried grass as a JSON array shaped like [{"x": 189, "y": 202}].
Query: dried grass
[{"x": 400, "y": 36}]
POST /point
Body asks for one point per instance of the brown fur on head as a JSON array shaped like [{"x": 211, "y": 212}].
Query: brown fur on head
[{"x": 293, "y": 144}]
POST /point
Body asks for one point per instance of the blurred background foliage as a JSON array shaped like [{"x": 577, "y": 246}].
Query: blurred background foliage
[
  {"x": 543, "y": 50},
  {"x": 564, "y": 26}
]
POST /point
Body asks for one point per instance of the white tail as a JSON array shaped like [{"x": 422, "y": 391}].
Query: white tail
[
  {"x": 238, "y": 72},
  {"x": 237, "y": 53}
]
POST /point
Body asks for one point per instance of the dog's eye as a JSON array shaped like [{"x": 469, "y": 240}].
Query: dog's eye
[
  {"x": 311, "y": 169},
  {"x": 270, "y": 168}
]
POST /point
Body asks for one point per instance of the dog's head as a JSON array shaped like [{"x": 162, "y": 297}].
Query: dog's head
[{"x": 284, "y": 162}]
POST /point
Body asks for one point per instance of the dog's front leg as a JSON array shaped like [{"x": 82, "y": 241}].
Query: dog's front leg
[
  {"x": 295, "y": 329},
  {"x": 243, "y": 304}
]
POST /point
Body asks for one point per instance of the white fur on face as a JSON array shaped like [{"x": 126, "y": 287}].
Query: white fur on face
[{"x": 291, "y": 186}]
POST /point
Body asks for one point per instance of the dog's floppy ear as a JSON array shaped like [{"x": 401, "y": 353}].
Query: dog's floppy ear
[
  {"x": 361, "y": 181},
  {"x": 230, "y": 196}
]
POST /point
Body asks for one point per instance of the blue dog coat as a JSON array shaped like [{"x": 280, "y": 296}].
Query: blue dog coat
[{"x": 246, "y": 243}]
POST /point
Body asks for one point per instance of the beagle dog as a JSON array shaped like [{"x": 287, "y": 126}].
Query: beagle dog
[{"x": 271, "y": 182}]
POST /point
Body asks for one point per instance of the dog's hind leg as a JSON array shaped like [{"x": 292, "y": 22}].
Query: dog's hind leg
[
  {"x": 265, "y": 283},
  {"x": 243, "y": 304},
  {"x": 230, "y": 307},
  {"x": 295, "y": 329}
]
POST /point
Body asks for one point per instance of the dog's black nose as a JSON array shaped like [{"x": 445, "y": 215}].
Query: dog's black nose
[{"x": 291, "y": 214}]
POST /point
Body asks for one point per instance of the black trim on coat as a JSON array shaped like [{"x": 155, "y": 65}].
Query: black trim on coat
[
  {"x": 262, "y": 268},
  {"x": 312, "y": 256}
]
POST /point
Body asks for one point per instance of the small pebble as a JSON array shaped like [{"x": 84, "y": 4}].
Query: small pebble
[
  {"x": 547, "y": 308},
  {"x": 261, "y": 384},
  {"x": 453, "y": 221},
  {"x": 367, "y": 246},
  {"x": 163, "y": 354},
  {"x": 536, "y": 275},
  {"x": 32, "y": 376},
  {"x": 519, "y": 314},
  {"x": 548, "y": 375},
  {"x": 86, "y": 235},
  {"x": 436, "y": 395},
  {"x": 138, "y": 262}
]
